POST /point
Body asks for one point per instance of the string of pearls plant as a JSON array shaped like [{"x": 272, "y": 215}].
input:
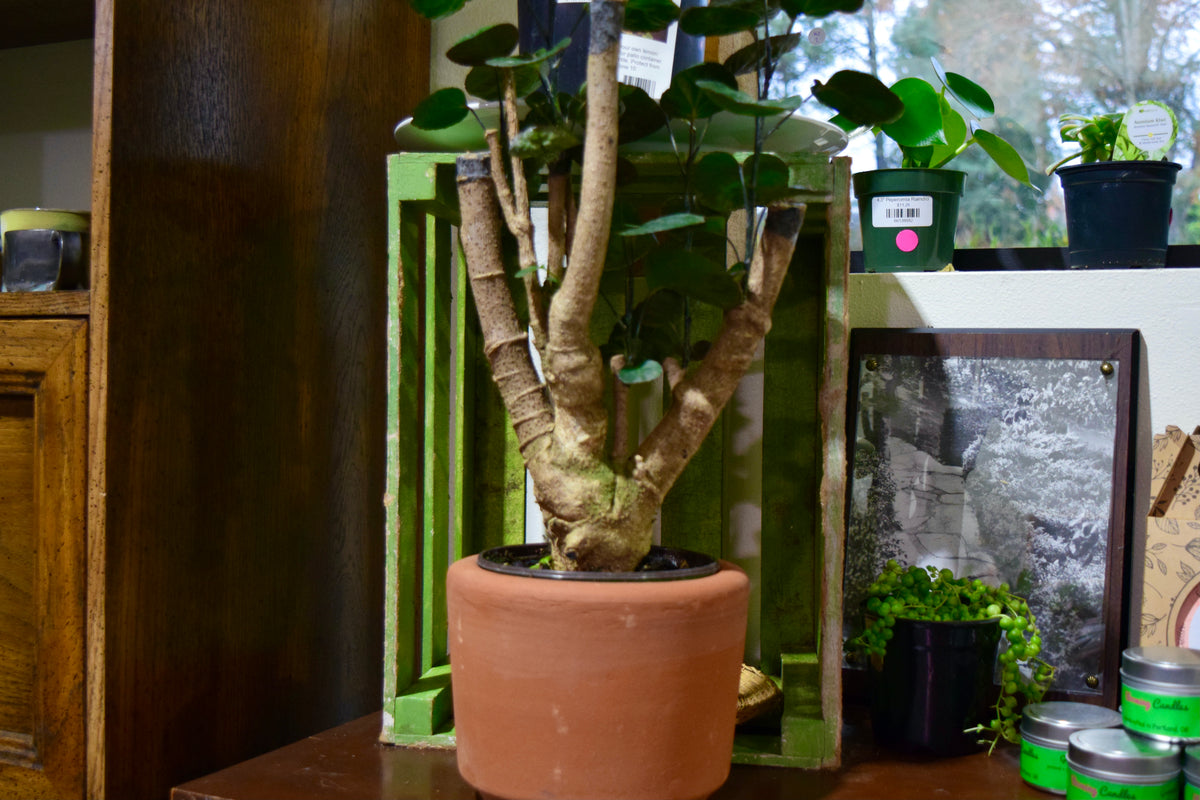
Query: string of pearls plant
[{"x": 927, "y": 593}]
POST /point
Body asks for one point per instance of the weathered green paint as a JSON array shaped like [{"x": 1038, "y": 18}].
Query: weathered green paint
[
  {"x": 425, "y": 707},
  {"x": 438, "y": 373},
  {"x": 791, "y": 475},
  {"x": 693, "y": 513},
  {"x": 434, "y": 512}
]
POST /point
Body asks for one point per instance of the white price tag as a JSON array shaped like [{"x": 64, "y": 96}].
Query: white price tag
[
  {"x": 902, "y": 211},
  {"x": 647, "y": 61}
]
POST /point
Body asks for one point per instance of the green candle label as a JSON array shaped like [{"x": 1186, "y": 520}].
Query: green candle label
[
  {"x": 1083, "y": 787},
  {"x": 1044, "y": 767},
  {"x": 1164, "y": 715},
  {"x": 1191, "y": 791}
]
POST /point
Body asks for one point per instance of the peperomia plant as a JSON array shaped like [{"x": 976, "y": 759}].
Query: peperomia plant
[
  {"x": 932, "y": 132},
  {"x": 599, "y": 497}
]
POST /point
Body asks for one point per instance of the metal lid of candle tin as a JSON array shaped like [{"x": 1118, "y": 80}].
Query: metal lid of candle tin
[
  {"x": 1178, "y": 667},
  {"x": 1116, "y": 755},
  {"x": 1191, "y": 764},
  {"x": 1051, "y": 723}
]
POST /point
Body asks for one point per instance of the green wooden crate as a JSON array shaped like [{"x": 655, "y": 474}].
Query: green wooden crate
[{"x": 456, "y": 485}]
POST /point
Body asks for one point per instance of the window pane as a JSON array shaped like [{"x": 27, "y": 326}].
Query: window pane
[{"x": 1038, "y": 59}]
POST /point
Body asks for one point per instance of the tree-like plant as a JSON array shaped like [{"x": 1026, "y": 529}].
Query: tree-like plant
[
  {"x": 932, "y": 132},
  {"x": 599, "y": 500}
]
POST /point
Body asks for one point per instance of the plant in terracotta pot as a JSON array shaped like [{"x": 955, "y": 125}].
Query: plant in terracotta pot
[
  {"x": 595, "y": 686},
  {"x": 931, "y": 642},
  {"x": 909, "y": 215},
  {"x": 1118, "y": 198}
]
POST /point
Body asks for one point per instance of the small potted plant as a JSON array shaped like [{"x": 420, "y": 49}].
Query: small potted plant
[
  {"x": 931, "y": 642},
  {"x": 597, "y": 683},
  {"x": 1118, "y": 198},
  {"x": 909, "y": 215}
]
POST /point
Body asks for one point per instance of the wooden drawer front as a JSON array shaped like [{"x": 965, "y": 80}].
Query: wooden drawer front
[{"x": 43, "y": 427}]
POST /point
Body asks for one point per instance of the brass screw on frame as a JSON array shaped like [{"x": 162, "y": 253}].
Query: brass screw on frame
[
  {"x": 1106, "y": 369},
  {"x": 872, "y": 365},
  {"x": 1092, "y": 681}
]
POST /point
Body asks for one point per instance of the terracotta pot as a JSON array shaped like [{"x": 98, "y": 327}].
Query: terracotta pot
[{"x": 569, "y": 689}]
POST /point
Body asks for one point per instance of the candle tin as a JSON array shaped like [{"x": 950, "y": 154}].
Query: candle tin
[
  {"x": 1160, "y": 692},
  {"x": 1045, "y": 729},
  {"x": 1191, "y": 773},
  {"x": 1111, "y": 762}
]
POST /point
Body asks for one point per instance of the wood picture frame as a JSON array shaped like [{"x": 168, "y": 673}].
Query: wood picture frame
[{"x": 1006, "y": 455}]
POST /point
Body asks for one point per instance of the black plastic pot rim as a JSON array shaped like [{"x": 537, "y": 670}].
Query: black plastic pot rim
[
  {"x": 1100, "y": 166},
  {"x": 516, "y": 559}
]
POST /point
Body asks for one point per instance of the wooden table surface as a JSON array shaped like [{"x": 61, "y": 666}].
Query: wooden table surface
[{"x": 349, "y": 763}]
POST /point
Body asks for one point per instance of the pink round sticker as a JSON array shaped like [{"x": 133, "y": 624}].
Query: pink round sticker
[{"x": 907, "y": 240}]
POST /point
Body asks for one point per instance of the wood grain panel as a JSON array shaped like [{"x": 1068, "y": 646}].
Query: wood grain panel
[
  {"x": 43, "y": 435},
  {"x": 241, "y": 448}
]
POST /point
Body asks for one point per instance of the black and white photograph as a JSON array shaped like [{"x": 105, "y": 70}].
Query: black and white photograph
[{"x": 999, "y": 468}]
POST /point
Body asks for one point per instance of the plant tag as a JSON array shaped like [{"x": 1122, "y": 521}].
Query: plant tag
[
  {"x": 646, "y": 61},
  {"x": 1147, "y": 132},
  {"x": 902, "y": 211}
]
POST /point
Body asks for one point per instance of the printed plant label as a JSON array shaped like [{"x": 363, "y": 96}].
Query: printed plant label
[
  {"x": 1147, "y": 131},
  {"x": 902, "y": 211}
]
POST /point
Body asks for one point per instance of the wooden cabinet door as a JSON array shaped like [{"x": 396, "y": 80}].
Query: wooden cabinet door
[{"x": 43, "y": 439}]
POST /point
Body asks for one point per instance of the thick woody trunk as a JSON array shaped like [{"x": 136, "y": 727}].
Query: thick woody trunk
[{"x": 599, "y": 508}]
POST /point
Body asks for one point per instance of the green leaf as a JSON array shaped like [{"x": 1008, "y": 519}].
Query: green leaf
[
  {"x": 860, "y": 98},
  {"x": 973, "y": 96},
  {"x": 758, "y": 54},
  {"x": 648, "y": 370},
  {"x": 640, "y": 115},
  {"x": 1005, "y": 156},
  {"x": 716, "y": 20},
  {"x": 685, "y": 100},
  {"x": 692, "y": 275},
  {"x": 921, "y": 122},
  {"x": 954, "y": 132},
  {"x": 647, "y": 16},
  {"x": 443, "y": 108},
  {"x": 738, "y": 102},
  {"x": 771, "y": 180},
  {"x": 487, "y": 82},
  {"x": 718, "y": 180},
  {"x": 820, "y": 8},
  {"x": 954, "y": 127},
  {"x": 476, "y": 49},
  {"x": 436, "y": 9},
  {"x": 670, "y": 222},
  {"x": 534, "y": 59},
  {"x": 544, "y": 142},
  {"x": 530, "y": 270}
]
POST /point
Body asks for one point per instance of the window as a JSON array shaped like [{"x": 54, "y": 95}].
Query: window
[{"x": 1038, "y": 59}]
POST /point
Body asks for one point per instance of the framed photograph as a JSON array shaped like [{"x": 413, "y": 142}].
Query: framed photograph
[{"x": 1002, "y": 455}]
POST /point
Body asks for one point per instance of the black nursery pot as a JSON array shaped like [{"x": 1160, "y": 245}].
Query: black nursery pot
[
  {"x": 1118, "y": 213},
  {"x": 934, "y": 683}
]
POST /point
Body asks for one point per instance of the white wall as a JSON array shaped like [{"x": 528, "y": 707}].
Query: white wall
[
  {"x": 46, "y": 126},
  {"x": 1163, "y": 304}
]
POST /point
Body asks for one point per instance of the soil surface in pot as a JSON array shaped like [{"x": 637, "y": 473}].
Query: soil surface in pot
[{"x": 661, "y": 564}]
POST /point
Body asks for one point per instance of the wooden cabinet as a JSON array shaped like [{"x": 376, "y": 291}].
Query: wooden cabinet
[
  {"x": 232, "y": 563},
  {"x": 43, "y": 457}
]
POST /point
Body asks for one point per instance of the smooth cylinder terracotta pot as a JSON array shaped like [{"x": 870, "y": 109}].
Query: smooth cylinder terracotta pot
[{"x": 569, "y": 689}]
